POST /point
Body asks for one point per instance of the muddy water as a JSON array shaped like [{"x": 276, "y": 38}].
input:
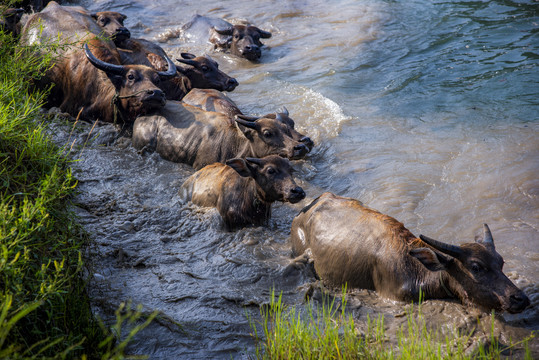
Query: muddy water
[{"x": 424, "y": 110}]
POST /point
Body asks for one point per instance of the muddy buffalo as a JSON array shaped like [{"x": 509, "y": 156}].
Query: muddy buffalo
[
  {"x": 243, "y": 190},
  {"x": 187, "y": 134},
  {"x": 353, "y": 244},
  {"x": 87, "y": 73},
  {"x": 212, "y": 100},
  {"x": 239, "y": 40}
]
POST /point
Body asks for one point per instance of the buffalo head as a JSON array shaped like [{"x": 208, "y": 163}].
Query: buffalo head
[
  {"x": 9, "y": 20},
  {"x": 475, "y": 272},
  {"x": 136, "y": 85},
  {"x": 271, "y": 136},
  {"x": 203, "y": 73},
  {"x": 282, "y": 116},
  {"x": 273, "y": 175},
  {"x": 241, "y": 40},
  {"x": 112, "y": 23}
]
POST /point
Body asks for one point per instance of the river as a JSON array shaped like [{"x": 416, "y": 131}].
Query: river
[{"x": 424, "y": 110}]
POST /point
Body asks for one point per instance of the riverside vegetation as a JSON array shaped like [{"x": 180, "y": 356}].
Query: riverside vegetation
[
  {"x": 44, "y": 309},
  {"x": 328, "y": 331}
]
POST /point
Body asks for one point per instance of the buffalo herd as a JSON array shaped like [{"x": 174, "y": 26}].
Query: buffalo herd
[{"x": 243, "y": 163}]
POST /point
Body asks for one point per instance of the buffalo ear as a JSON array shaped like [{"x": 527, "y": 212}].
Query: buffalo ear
[
  {"x": 220, "y": 38},
  {"x": 264, "y": 34},
  {"x": 188, "y": 55},
  {"x": 433, "y": 260},
  {"x": 241, "y": 167}
]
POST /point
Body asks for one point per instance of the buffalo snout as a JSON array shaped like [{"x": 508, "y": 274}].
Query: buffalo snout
[
  {"x": 308, "y": 142},
  {"x": 251, "y": 52},
  {"x": 300, "y": 151},
  {"x": 154, "y": 97},
  {"x": 518, "y": 302},
  {"x": 296, "y": 195},
  {"x": 120, "y": 35},
  {"x": 231, "y": 84}
]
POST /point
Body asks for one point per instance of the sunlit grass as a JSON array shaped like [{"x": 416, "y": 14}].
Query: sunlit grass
[
  {"x": 327, "y": 331},
  {"x": 44, "y": 309}
]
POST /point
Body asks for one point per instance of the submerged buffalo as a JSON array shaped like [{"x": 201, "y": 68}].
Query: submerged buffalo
[
  {"x": 212, "y": 100},
  {"x": 187, "y": 134},
  {"x": 239, "y": 40},
  {"x": 243, "y": 189},
  {"x": 196, "y": 72},
  {"x": 350, "y": 243},
  {"x": 87, "y": 75}
]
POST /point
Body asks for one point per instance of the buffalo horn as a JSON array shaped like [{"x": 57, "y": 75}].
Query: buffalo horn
[
  {"x": 283, "y": 110},
  {"x": 246, "y": 123},
  {"x": 487, "y": 236},
  {"x": 227, "y": 31},
  {"x": 449, "y": 249},
  {"x": 171, "y": 71},
  {"x": 247, "y": 117},
  {"x": 187, "y": 61},
  {"x": 255, "y": 161},
  {"x": 101, "y": 65}
]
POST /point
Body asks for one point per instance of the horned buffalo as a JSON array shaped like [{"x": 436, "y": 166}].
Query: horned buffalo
[
  {"x": 243, "y": 189},
  {"x": 351, "y": 243},
  {"x": 187, "y": 134},
  {"x": 239, "y": 40},
  {"x": 200, "y": 71},
  {"x": 212, "y": 100},
  {"x": 91, "y": 78}
]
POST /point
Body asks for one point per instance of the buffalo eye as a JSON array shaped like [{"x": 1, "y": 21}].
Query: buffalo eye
[
  {"x": 267, "y": 133},
  {"x": 271, "y": 170},
  {"x": 476, "y": 268},
  {"x": 205, "y": 68},
  {"x": 131, "y": 77},
  {"x": 103, "y": 21}
]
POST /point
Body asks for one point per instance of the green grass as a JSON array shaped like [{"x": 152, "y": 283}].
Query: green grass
[
  {"x": 44, "y": 309},
  {"x": 328, "y": 332}
]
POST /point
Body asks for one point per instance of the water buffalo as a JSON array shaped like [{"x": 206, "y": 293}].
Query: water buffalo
[
  {"x": 187, "y": 134},
  {"x": 353, "y": 244},
  {"x": 9, "y": 20},
  {"x": 199, "y": 72},
  {"x": 92, "y": 78},
  {"x": 243, "y": 189},
  {"x": 213, "y": 100},
  {"x": 239, "y": 40},
  {"x": 112, "y": 23}
]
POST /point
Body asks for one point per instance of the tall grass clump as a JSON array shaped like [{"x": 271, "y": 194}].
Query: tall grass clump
[
  {"x": 326, "y": 331},
  {"x": 44, "y": 309}
]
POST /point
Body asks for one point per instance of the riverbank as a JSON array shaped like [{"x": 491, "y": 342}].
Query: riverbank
[{"x": 44, "y": 306}]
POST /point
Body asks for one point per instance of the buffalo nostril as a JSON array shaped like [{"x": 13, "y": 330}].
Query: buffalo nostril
[
  {"x": 520, "y": 299},
  {"x": 306, "y": 140},
  {"x": 233, "y": 82},
  {"x": 301, "y": 147},
  {"x": 150, "y": 92}
]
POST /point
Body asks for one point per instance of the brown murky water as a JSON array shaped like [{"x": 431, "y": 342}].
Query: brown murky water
[{"x": 426, "y": 111}]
